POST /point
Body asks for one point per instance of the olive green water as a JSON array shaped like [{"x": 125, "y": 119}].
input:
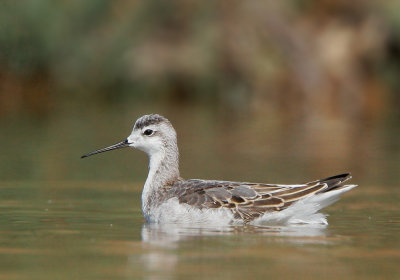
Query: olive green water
[
  {"x": 89, "y": 230},
  {"x": 66, "y": 218}
]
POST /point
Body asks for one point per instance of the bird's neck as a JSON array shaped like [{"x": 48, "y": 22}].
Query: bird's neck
[{"x": 163, "y": 171}]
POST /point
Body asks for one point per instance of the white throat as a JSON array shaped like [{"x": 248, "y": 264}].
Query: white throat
[{"x": 163, "y": 171}]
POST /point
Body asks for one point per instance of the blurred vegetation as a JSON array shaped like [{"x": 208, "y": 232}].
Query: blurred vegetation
[
  {"x": 315, "y": 76},
  {"x": 299, "y": 58}
]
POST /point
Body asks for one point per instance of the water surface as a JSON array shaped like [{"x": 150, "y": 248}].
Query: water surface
[{"x": 89, "y": 230}]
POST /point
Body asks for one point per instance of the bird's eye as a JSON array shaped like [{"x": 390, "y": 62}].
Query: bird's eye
[{"x": 148, "y": 132}]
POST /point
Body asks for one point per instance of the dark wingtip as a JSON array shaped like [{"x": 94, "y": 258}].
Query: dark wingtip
[
  {"x": 83, "y": 156},
  {"x": 344, "y": 175},
  {"x": 336, "y": 182},
  {"x": 340, "y": 178}
]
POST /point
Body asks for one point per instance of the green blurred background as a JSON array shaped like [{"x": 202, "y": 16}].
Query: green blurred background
[{"x": 275, "y": 91}]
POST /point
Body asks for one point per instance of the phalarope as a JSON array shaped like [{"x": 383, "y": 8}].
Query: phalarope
[{"x": 167, "y": 198}]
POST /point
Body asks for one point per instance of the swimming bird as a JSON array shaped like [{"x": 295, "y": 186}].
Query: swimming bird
[{"x": 167, "y": 198}]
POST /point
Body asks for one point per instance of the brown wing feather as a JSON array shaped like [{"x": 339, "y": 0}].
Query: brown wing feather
[{"x": 248, "y": 201}]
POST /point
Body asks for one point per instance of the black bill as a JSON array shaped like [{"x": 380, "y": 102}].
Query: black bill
[{"x": 119, "y": 145}]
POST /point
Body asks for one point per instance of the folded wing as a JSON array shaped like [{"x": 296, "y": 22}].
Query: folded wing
[{"x": 248, "y": 201}]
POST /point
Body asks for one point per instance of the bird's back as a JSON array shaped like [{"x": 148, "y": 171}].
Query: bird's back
[{"x": 249, "y": 202}]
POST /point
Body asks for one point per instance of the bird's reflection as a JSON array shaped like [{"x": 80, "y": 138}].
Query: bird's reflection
[
  {"x": 170, "y": 235},
  {"x": 162, "y": 241}
]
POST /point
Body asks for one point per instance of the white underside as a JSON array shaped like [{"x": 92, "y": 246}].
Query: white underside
[{"x": 304, "y": 211}]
